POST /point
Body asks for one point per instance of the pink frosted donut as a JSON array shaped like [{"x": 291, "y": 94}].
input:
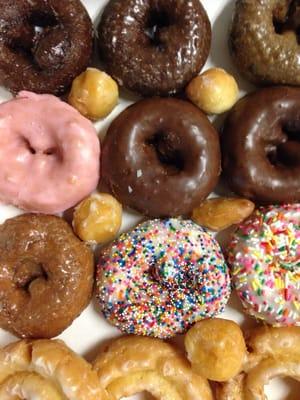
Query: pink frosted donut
[{"x": 49, "y": 154}]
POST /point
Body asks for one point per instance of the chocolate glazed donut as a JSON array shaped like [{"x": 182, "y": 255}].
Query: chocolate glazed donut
[
  {"x": 161, "y": 157},
  {"x": 264, "y": 40},
  {"x": 44, "y": 44},
  {"x": 261, "y": 146},
  {"x": 154, "y": 47}
]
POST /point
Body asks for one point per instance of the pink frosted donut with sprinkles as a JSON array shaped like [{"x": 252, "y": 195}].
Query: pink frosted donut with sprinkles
[
  {"x": 162, "y": 277},
  {"x": 264, "y": 256}
]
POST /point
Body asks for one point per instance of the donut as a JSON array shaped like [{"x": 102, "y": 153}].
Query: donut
[
  {"x": 46, "y": 370},
  {"x": 131, "y": 365},
  {"x": 49, "y": 154},
  {"x": 273, "y": 353},
  {"x": 44, "y": 44},
  {"x": 264, "y": 41},
  {"x": 154, "y": 47},
  {"x": 162, "y": 277},
  {"x": 264, "y": 256},
  {"x": 260, "y": 146},
  {"x": 46, "y": 276},
  {"x": 161, "y": 157}
]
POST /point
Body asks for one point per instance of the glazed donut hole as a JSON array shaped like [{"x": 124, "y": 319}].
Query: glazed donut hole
[
  {"x": 216, "y": 349},
  {"x": 285, "y": 150}
]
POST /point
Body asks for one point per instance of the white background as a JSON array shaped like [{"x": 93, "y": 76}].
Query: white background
[{"x": 90, "y": 329}]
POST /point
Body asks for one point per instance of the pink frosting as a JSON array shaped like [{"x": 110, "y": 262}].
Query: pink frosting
[{"x": 49, "y": 154}]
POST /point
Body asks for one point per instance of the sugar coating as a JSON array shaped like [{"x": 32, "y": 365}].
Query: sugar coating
[
  {"x": 162, "y": 277},
  {"x": 264, "y": 256}
]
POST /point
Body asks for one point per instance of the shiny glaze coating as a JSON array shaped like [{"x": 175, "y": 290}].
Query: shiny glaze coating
[
  {"x": 161, "y": 157},
  {"x": 261, "y": 146},
  {"x": 264, "y": 41},
  {"x": 154, "y": 47},
  {"x": 46, "y": 276},
  {"x": 44, "y": 44}
]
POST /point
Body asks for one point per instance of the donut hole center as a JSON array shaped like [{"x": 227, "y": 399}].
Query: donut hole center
[
  {"x": 287, "y": 20},
  {"x": 287, "y": 152},
  {"x": 167, "y": 149},
  {"x": 27, "y": 272},
  {"x": 51, "y": 151},
  {"x": 282, "y": 389},
  {"x": 29, "y": 34},
  {"x": 157, "y": 21}
]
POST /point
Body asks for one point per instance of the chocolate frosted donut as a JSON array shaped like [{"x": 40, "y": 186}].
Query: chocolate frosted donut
[
  {"x": 46, "y": 276},
  {"x": 154, "y": 47},
  {"x": 161, "y": 157},
  {"x": 261, "y": 146},
  {"x": 44, "y": 44},
  {"x": 264, "y": 40}
]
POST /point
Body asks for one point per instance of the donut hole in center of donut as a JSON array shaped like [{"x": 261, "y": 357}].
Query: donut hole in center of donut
[
  {"x": 166, "y": 146},
  {"x": 288, "y": 20},
  {"x": 36, "y": 27},
  {"x": 287, "y": 152},
  {"x": 51, "y": 151},
  {"x": 26, "y": 272},
  {"x": 156, "y": 21}
]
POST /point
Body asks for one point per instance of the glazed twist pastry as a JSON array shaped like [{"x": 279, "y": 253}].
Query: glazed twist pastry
[
  {"x": 132, "y": 365},
  {"x": 274, "y": 352},
  {"x": 46, "y": 370}
]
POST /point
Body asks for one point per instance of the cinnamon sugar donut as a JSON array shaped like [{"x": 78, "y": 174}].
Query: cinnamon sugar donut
[
  {"x": 46, "y": 276},
  {"x": 44, "y": 44}
]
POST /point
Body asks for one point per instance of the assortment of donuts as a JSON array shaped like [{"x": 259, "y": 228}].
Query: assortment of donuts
[{"x": 162, "y": 158}]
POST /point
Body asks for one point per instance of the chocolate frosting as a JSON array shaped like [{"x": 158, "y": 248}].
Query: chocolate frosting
[
  {"x": 44, "y": 44},
  {"x": 161, "y": 157},
  {"x": 154, "y": 47},
  {"x": 261, "y": 146}
]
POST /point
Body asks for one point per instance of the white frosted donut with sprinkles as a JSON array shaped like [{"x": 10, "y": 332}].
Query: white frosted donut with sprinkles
[
  {"x": 162, "y": 277},
  {"x": 264, "y": 256}
]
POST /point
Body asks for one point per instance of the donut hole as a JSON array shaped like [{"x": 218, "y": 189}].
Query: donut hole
[
  {"x": 37, "y": 24},
  {"x": 282, "y": 389},
  {"x": 287, "y": 152},
  {"x": 27, "y": 272},
  {"x": 287, "y": 20},
  {"x": 28, "y": 145},
  {"x": 157, "y": 21},
  {"x": 166, "y": 146}
]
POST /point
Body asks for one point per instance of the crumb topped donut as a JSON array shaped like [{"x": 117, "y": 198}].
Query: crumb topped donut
[
  {"x": 46, "y": 276},
  {"x": 162, "y": 277},
  {"x": 154, "y": 47},
  {"x": 264, "y": 256},
  {"x": 44, "y": 44}
]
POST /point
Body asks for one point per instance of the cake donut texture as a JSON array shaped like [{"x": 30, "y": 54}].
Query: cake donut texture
[
  {"x": 154, "y": 47},
  {"x": 261, "y": 148},
  {"x": 162, "y": 277},
  {"x": 264, "y": 256},
  {"x": 44, "y": 44},
  {"x": 49, "y": 154},
  {"x": 161, "y": 157},
  {"x": 46, "y": 276}
]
